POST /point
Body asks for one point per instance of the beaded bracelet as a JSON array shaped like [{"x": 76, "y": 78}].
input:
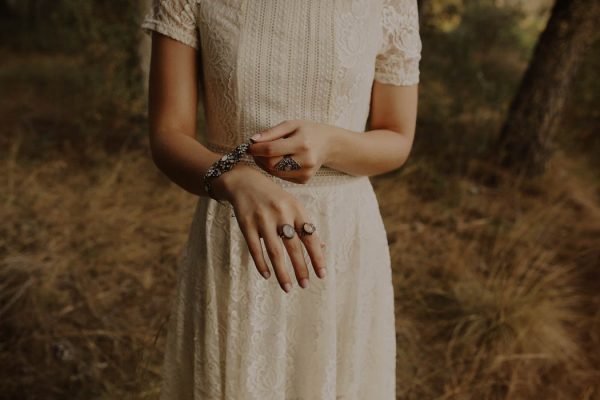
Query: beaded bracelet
[{"x": 222, "y": 165}]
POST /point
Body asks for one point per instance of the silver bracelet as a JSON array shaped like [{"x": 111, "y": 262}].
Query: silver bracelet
[{"x": 224, "y": 164}]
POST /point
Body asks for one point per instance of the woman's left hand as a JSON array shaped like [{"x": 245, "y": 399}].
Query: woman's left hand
[{"x": 307, "y": 142}]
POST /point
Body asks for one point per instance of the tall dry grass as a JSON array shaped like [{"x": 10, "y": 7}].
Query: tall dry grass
[
  {"x": 497, "y": 279},
  {"x": 496, "y": 288},
  {"x": 493, "y": 297},
  {"x": 87, "y": 265}
]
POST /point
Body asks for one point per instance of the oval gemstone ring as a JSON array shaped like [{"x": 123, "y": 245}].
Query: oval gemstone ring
[
  {"x": 308, "y": 228},
  {"x": 287, "y": 231}
]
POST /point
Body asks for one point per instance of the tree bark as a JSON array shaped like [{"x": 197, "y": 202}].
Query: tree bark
[{"x": 526, "y": 139}]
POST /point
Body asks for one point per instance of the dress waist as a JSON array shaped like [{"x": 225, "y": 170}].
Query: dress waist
[{"x": 323, "y": 176}]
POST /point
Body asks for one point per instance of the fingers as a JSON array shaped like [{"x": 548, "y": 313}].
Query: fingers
[
  {"x": 277, "y": 131},
  {"x": 260, "y": 221},
  {"x": 263, "y": 162},
  {"x": 255, "y": 248},
  {"x": 312, "y": 242},
  {"x": 294, "y": 249},
  {"x": 314, "y": 247},
  {"x": 275, "y": 147},
  {"x": 268, "y": 164},
  {"x": 275, "y": 250}
]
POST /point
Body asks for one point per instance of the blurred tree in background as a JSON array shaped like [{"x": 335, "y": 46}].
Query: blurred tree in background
[
  {"x": 475, "y": 55},
  {"x": 527, "y": 135}
]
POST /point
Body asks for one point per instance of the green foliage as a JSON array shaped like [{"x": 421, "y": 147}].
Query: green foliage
[
  {"x": 102, "y": 35},
  {"x": 468, "y": 76}
]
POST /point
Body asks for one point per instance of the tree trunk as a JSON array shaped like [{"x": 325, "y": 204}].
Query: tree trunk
[{"x": 526, "y": 139}]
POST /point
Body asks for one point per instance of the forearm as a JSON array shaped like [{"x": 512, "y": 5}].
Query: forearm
[
  {"x": 183, "y": 160},
  {"x": 369, "y": 153}
]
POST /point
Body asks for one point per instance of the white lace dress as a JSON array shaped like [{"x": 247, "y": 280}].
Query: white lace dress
[{"x": 233, "y": 334}]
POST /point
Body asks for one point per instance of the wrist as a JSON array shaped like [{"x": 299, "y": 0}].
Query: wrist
[
  {"x": 224, "y": 186},
  {"x": 335, "y": 144},
  {"x": 223, "y": 165}
]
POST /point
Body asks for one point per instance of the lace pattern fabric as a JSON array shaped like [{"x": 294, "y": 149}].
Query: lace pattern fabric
[
  {"x": 176, "y": 19},
  {"x": 397, "y": 61},
  {"x": 233, "y": 335},
  {"x": 265, "y": 61}
]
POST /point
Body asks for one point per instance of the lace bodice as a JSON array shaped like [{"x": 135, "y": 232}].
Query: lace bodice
[{"x": 267, "y": 61}]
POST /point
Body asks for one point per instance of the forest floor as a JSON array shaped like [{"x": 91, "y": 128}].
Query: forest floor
[{"x": 497, "y": 286}]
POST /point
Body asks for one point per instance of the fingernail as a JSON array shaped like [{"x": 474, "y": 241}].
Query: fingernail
[
  {"x": 255, "y": 136},
  {"x": 287, "y": 287},
  {"x": 321, "y": 272},
  {"x": 266, "y": 274},
  {"x": 304, "y": 283}
]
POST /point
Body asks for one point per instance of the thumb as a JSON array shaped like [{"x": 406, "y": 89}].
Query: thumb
[{"x": 278, "y": 131}]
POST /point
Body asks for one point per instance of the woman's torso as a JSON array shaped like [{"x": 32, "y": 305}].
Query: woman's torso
[{"x": 267, "y": 61}]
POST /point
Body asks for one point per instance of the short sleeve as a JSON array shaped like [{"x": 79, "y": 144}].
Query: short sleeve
[
  {"x": 397, "y": 61},
  {"x": 176, "y": 19}
]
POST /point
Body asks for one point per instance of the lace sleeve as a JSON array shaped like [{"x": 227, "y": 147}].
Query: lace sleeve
[
  {"x": 174, "y": 18},
  {"x": 397, "y": 61}
]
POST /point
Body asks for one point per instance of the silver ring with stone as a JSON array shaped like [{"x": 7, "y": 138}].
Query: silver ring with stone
[
  {"x": 287, "y": 163},
  {"x": 287, "y": 231},
  {"x": 308, "y": 229}
]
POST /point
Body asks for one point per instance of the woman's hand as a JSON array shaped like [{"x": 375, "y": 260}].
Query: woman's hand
[
  {"x": 307, "y": 142},
  {"x": 261, "y": 208}
]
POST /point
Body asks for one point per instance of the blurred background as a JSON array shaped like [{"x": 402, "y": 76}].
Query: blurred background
[{"x": 493, "y": 222}]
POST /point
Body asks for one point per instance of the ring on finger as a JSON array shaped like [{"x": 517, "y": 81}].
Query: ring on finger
[
  {"x": 287, "y": 231},
  {"x": 307, "y": 229},
  {"x": 287, "y": 163}
]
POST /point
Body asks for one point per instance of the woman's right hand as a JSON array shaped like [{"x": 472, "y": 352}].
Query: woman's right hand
[{"x": 261, "y": 208}]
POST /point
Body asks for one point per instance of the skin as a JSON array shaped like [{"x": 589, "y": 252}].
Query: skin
[{"x": 260, "y": 205}]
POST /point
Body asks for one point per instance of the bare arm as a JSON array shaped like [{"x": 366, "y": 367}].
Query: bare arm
[
  {"x": 394, "y": 97},
  {"x": 172, "y": 111},
  {"x": 383, "y": 148},
  {"x": 387, "y": 145},
  {"x": 261, "y": 206}
]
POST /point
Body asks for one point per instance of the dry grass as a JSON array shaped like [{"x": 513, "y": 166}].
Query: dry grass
[
  {"x": 492, "y": 296},
  {"x": 497, "y": 289},
  {"x": 86, "y": 270}
]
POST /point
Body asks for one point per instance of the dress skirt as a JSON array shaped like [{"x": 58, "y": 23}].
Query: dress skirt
[{"x": 234, "y": 335}]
